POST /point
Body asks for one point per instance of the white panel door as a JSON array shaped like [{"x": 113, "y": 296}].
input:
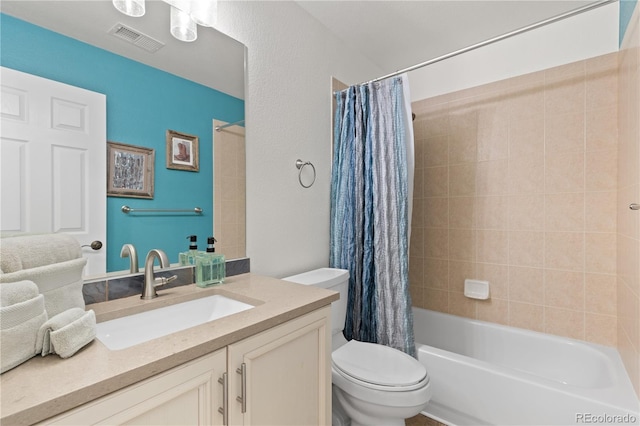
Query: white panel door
[{"x": 53, "y": 161}]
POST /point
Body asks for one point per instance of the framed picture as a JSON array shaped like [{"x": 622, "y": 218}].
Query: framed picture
[
  {"x": 182, "y": 151},
  {"x": 129, "y": 170}
]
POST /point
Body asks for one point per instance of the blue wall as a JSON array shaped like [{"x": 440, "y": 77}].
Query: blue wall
[
  {"x": 142, "y": 104},
  {"x": 626, "y": 10}
]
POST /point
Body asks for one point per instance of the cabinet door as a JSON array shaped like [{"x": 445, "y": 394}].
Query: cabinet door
[
  {"x": 186, "y": 395},
  {"x": 287, "y": 374}
]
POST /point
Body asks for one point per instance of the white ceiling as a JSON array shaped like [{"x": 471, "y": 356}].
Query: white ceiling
[
  {"x": 398, "y": 34},
  {"x": 214, "y": 60},
  {"x": 392, "y": 34}
]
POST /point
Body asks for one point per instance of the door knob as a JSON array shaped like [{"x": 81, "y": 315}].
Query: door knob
[{"x": 95, "y": 245}]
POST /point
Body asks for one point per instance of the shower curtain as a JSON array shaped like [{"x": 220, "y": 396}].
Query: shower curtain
[{"x": 371, "y": 197}]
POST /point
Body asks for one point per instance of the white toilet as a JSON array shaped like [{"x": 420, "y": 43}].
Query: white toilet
[{"x": 372, "y": 384}]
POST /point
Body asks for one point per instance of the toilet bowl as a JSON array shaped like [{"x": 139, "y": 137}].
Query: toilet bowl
[
  {"x": 378, "y": 385},
  {"x": 372, "y": 384}
]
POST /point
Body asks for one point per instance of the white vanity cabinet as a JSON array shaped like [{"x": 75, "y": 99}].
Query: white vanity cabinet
[
  {"x": 185, "y": 395},
  {"x": 282, "y": 376},
  {"x": 277, "y": 377}
]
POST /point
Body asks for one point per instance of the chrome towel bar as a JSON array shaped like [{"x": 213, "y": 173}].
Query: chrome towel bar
[{"x": 127, "y": 209}]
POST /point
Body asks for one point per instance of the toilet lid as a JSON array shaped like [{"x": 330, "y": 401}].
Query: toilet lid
[{"x": 378, "y": 364}]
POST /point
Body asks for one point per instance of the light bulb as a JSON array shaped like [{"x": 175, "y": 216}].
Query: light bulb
[
  {"x": 204, "y": 12},
  {"x": 133, "y": 8},
  {"x": 182, "y": 26}
]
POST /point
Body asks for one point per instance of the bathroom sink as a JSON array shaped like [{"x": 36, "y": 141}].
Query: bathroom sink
[{"x": 134, "y": 329}]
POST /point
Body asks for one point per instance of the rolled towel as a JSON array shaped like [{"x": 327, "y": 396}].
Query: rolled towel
[
  {"x": 60, "y": 283},
  {"x": 66, "y": 333},
  {"x": 19, "y": 323},
  {"x": 20, "y": 291},
  {"x": 26, "y": 251}
]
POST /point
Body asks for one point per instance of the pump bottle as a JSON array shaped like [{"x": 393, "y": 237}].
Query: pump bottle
[
  {"x": 210, "y": 267},
  {"x": 189, "y": 257}
]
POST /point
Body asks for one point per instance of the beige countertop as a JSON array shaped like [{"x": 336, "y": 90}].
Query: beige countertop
[{"x": 46, "y": 386}]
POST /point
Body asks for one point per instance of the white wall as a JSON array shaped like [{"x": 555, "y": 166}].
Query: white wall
[
  {"x": 580, "y": 37},
  {"x": 291, "y": 59}
]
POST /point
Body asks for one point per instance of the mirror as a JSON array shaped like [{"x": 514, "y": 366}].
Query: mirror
[{"x": 180, "y": 86}]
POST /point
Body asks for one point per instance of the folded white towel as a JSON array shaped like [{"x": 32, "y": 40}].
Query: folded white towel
[
  {"x": 43, "y": 343},
  {"x": 60, "y": 283},
  {"x": 28, "y": 251},
  {"x": 21, "y": 291},
  {"x": 66, "y": 333},
  {"x": 19, "y": 324}
]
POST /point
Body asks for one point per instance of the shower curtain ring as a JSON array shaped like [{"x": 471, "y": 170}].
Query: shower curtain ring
[{"x": 300, "y": 165}]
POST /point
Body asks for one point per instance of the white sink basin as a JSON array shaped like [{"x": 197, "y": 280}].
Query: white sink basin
[{"x": 134, "y": 329}]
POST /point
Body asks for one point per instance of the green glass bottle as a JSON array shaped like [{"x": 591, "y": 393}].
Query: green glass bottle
[{"x": 210, "y": 267}]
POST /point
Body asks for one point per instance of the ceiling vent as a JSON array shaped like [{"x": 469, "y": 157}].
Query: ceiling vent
[{"x": 132, "y": 36}]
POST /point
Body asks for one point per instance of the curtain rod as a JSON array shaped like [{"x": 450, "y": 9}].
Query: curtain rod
[
  {"x": 218, "y": 128},
  {"x": 496, "y": 39}
]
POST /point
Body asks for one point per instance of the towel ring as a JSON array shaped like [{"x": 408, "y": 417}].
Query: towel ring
[{"x": 300, "y": 165}]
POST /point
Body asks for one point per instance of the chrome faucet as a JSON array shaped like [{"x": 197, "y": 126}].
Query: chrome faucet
[
  {"x": 150, "y": 282},
  {"x": 128, "y": 250}
]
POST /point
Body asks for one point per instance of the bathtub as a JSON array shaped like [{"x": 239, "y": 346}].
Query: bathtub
[{"x": 484, "y": 373}]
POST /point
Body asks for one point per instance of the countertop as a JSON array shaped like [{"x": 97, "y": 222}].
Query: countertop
[{"x": 46, "y": 386}]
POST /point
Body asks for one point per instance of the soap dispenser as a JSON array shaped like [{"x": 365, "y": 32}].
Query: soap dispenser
[
  {"x": 189, "y": 257},
  {"x": 210, "y": 267}
]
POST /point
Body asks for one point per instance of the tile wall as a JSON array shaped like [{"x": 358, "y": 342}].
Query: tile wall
[
  {"x": 516, "y": 184},
  {"x": 230, "y": 191},
  {"x": 628, "y": 238}
]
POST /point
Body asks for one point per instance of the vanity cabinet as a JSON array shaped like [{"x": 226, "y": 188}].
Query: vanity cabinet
[
  {"x": 277, "y": 377},
  {"x": 185, "y": 395},
  {"x": 283, "y": 376}
]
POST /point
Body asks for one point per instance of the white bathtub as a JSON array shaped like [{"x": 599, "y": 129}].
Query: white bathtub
[{"x": 484, "y": 373}]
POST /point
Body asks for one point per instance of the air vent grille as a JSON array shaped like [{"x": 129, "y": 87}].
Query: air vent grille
[{"x": 137, "y": 38}]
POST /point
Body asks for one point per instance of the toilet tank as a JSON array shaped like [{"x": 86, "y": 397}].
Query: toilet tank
[{"x": 331, "y": 279}]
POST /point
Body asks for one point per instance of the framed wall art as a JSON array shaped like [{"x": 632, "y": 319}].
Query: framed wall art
[
  {"x": 129, "y": 170},
  {"x": 182, "y": 151}
]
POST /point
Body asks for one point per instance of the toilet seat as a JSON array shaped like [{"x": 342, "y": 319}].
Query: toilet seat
[
  {"x": 383, "y": 388},
  {"x": 379, "y": 367}
]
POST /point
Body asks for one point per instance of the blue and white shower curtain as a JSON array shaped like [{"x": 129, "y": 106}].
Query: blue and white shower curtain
[{"x": 371, "y": 200}]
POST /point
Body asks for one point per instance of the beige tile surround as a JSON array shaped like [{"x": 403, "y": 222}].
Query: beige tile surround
[
  {"x": 230, "y": 191},
  {"x": 628, "y": 222},
  {"x": 516, "y": 183}
]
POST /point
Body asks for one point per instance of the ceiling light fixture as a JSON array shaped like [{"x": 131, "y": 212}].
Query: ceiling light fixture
[
  {"x": 186, "y": 15},
  {"x": 182, "y": 26},
  {"x": 133, "y": 8},
  {"x": 204, "y": 12}
]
